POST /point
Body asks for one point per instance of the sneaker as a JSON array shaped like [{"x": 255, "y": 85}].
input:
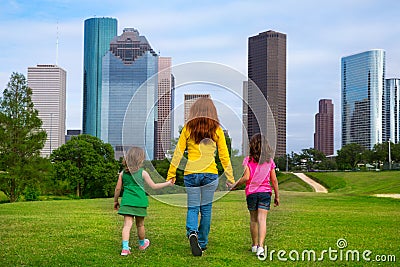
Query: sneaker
[
  {"x": 260, "y": 252},
  {"x": 254, "y": 249},
  {"x": 125, "y": 252},
  {"x": 146, "y": 244},
  {"x": 194, "y": 244},
  {"x": 205, "y": 248}
]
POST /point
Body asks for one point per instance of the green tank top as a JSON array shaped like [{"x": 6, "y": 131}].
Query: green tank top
[{"x": 134, "y": 194}]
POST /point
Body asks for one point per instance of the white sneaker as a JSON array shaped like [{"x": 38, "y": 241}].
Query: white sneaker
[
  {"x": 260, "y": 252},
  {"x": 254, "y": 249}
]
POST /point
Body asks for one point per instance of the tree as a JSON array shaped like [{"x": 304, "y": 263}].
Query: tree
[
  {"x": 86, "y": 165},
  {"x": 349, "y": 156},
  {"x": 21, "y": 138},
  {"x": 395, "y": 152},
  {"x": 312, "y": 158}
]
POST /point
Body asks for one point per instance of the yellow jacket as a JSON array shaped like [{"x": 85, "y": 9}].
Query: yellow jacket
[{"x": 201, "y": 157}]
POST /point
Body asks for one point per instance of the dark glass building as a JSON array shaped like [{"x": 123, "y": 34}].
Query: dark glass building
[
  {"x": 323, "y": 136},
  {"x": 267, "y": 71},
  {"x": 98, "y": 33}
]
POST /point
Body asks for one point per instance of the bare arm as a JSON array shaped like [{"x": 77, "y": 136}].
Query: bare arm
[
  {"x": 117, "y": 192},
  {"x": 274, "y": 182},
  {"x": 224, "y": 156},
  {"x": 153, "y": 185},
  {"x": 243, "y": 179},
  {"x": 178, "y": 154}
]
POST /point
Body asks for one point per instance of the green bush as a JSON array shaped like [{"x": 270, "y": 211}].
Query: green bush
[{"x": 31, "y": 193}]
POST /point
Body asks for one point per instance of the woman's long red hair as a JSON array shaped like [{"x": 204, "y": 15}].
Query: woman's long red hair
[{"x": 203, "y": 120}]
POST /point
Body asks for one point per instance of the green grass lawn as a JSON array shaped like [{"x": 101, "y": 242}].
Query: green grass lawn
[
  {"x": 364, "y": 183},
  {"x": 87, "y": 232},
  {"x": 290, "y": 182}
]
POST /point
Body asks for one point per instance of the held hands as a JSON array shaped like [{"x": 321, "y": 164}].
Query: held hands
[
  {"x": 172, "y": 181},
  {"x": 230, "y": 186},
  {"x": 116, "y": 205}
]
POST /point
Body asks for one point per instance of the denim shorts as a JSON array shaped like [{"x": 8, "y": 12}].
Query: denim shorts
[{"x": 261, "y": 200}]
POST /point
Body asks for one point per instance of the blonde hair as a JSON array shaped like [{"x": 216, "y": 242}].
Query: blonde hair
[
  {"x": 133, "y": 159},
  {"x": 203, "y": 120}
]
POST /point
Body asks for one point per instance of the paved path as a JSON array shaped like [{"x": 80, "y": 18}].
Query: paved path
[
  {"x": 316, "y": 186},
  {"x": 388, "y": 195}
]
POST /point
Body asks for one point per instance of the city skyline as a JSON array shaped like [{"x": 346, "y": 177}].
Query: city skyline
[{"x": 208, "y": 32}]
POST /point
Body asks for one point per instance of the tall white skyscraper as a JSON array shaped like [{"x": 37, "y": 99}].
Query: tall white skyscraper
[
  {"x": 391, "y": 122},
  {"x": 48, "y": 84},
  {"x": 363, "y": 79},
  {"x": 188, "y": 101}
]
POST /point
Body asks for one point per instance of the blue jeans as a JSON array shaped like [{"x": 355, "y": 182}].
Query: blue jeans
[{"x": 200, "y": 188}]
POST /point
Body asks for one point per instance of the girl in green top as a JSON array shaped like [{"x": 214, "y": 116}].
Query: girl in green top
[{"x": 134, "y": 200}]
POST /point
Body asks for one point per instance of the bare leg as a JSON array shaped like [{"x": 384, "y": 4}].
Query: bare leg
[
  {"x": 262, "y": 226},
  {"x": 128, "y": 221},
  {"x": 140, "y": 227},
  {"x": 254, "y": 227}
]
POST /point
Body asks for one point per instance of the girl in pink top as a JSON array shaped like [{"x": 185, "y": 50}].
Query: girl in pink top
[{"x": 259, "y": 172}]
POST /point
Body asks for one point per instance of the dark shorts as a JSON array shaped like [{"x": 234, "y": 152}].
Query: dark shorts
[{"x": 260, "y": 200}]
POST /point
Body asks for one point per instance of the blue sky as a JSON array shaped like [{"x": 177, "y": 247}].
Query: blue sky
[{"x": 319, "y": 33}]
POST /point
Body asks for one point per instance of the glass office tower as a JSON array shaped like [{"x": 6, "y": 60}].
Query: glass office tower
[
  {"x": 363, "y": 78},
  {"x": 391, "y": 122},
  {"x": 98, "y": 33},
  {"x": 127, "y": 67}
]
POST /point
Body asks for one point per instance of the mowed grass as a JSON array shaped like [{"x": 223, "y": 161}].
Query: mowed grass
[
  {"x": 88, "y": 232},
  {"x": 290, "y": 182},
  {"x": 364, "y": 183}
]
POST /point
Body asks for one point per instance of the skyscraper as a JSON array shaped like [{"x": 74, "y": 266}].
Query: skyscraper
[
  {"x": 267, "y": 70},
  {"x": 172, "y": 105},
  {"x": 323, "y": 136},
  {"x": 163, "y": 142},
  {"x": 363, "y": 78},
  {"x": 126, "y": 68},
  {"x": 391, "y": 121},
  {"x": 48, "y": 84},
  {"x": 189, "y": 99},
  {"x": 98, "y": 33}
]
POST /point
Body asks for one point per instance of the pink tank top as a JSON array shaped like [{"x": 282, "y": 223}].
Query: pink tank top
[{"x": 259, "y": 180}]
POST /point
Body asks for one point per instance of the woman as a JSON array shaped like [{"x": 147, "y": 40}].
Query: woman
[{"x": 201, "y": 136}]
